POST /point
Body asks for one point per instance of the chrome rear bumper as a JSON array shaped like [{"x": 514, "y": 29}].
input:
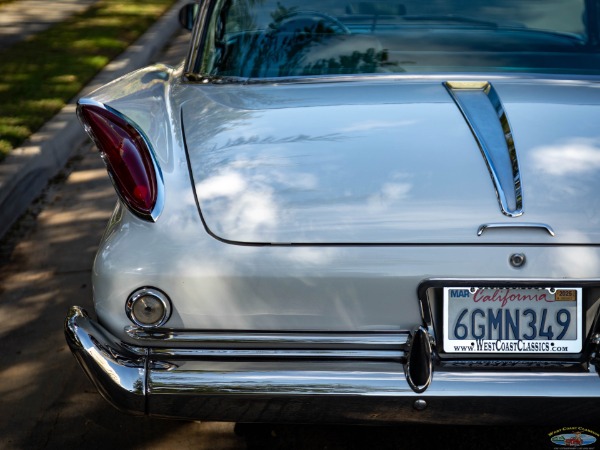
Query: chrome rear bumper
[{"x": 219, "y": 386}]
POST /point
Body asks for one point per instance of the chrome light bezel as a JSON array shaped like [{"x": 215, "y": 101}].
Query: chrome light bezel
[{"x": 153, "y": 292}]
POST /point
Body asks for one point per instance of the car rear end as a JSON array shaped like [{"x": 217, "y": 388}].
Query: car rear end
[{"x": 395, "y": 235}]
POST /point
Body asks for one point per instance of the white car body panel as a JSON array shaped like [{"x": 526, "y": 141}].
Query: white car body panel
[
  {"x": 224, "y": 286},
  {"x": 339, "y": 164}
]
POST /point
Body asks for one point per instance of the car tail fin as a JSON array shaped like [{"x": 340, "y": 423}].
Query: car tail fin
[{"x": 128, "y": 156}]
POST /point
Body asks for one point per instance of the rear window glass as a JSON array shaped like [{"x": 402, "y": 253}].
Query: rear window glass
[{"x": 290, "y": 38}]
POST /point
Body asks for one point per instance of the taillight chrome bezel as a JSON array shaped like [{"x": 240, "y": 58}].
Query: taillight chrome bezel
[{"x": 155, "y": 212}]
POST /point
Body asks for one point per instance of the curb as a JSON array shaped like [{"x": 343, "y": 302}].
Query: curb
[{"x": 26, "y": 170}]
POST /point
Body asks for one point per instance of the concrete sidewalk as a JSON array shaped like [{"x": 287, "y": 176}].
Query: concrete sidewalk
[{"x": 26, "y": 170}]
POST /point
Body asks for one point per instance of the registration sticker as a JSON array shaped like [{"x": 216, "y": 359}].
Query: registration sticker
[
  {"x": 512, "y": 320},
  {"x": 565, "y": 295}
]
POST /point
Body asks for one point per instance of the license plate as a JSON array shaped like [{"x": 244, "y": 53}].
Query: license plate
[{"x": 512, "y": 320}]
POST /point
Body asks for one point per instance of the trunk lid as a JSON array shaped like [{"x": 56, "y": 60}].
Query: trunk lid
[{"x": 389, "y": 162}]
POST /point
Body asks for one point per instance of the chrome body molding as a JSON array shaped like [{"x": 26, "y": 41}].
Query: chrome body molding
[
  {"x": 196, "y": 78},
  {"x": 279, "y": 354},
  {"x": 270, "y": 339},
  {"x": 194, "y": 385},
  {"x": 269, "y": 345},
  {"x": 481, "y": 107}
]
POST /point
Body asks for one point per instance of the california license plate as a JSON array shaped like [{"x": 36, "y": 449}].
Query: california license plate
[{"x": 512, "y": 320}]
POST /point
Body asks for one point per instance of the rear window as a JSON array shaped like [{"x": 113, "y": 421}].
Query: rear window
[{"x": 290, "y": 38}]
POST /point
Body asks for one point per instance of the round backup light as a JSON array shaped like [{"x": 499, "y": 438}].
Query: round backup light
[{"x": 148, "y": 307}]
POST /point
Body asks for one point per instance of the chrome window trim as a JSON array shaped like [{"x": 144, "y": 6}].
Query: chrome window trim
[
  {"x": 202, "y": 78},
  {"x": 198, "y": 34}
]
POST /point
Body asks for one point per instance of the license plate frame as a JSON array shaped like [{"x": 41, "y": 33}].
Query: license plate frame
[{"x": 488, "y": 326}]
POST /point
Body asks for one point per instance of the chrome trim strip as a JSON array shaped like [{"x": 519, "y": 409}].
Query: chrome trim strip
[
  {"x": 512, "y": 153},
  {"x": 198, "y": 78},
  {"x": 278, "y": 354},
  {"x": 269, "y": 339},
  {"x": 160, "y": 184},
  {"x": 506, "y": 282},
  {"x": 197, "y": 37},
  {"x": 526, "y": 225},
  {"x": 472, "y": 99}
]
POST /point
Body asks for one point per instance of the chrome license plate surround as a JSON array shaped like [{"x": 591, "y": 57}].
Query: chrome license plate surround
[{"x": 490, "y": 309}]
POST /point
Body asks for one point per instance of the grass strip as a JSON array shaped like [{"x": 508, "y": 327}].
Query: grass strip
[{"x": 39, "y": 76}]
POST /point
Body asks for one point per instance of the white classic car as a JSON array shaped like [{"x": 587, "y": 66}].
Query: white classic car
[{"x": 343, "y": 211}]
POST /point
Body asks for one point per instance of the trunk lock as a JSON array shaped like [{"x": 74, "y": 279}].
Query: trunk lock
[{"x": 517, "y": 260}]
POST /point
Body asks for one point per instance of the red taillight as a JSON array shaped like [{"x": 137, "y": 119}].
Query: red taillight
[{"x": 127, "y": 156}]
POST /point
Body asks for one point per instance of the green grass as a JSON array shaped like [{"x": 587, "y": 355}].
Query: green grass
[{"x": 39, "y": 76}]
